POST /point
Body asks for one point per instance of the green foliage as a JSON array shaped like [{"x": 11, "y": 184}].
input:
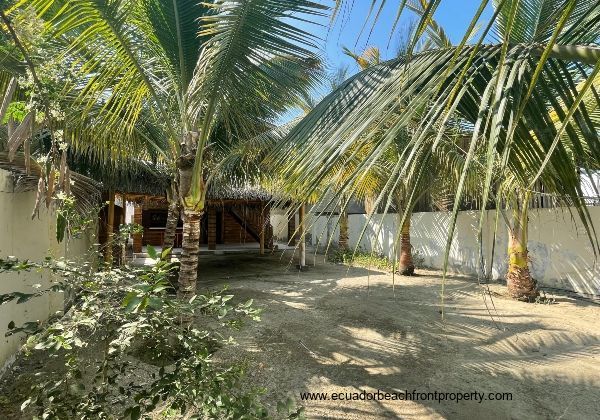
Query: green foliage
[
  {"x": 519, "y": 111},
  {"x": 289, "y": 410},
  {"x": 70, "y": 221},
  {"x": 362, "y": 259},
  {"x": 146, "y": 359},
  {"x": 418, "y": 258},
  {"x": 16, "y": 110}
]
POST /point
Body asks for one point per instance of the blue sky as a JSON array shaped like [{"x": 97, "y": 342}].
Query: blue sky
[{"x": 453, "y": 15}]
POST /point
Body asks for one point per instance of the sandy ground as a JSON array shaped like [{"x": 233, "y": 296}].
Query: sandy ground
[
  {"x": 337, "y": 329},
  {"x": 340, "y": 329}
]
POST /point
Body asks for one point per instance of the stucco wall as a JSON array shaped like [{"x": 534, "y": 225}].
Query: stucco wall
[
  {"x": 279, "y": 221},
  {"x": 560, "y": 251},
  {"x": 22, "y": 237}
]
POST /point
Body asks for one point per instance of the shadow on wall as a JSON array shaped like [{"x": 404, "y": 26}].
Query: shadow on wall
[{"x": 559, "y": 249}]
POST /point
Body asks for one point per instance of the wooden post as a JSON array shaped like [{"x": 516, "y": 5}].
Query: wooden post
[
  {"x": 301, "y": 233},
  {"x": 137, "y": 218},
  {"x": 126, "y": 240},
  {"x": 212, "y": 228},
  {"x": 124, "y": 202},
  {"x": 292, "y": 228},
  {"x": 262, "y": 230},
  {"x": 108, "y": 255}
]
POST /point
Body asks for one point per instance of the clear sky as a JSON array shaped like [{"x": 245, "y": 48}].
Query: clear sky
[
  {"x": 350, "y": 31},
  {"x": 453, "y": 15}
]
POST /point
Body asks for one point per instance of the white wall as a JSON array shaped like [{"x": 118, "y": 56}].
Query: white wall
[
  {"x": 279, "y": 221},
  {"x": 22, "y": 237},
  {"x": 560, "y": 251}
]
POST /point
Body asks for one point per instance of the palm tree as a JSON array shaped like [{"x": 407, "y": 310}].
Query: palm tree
[
  {"x": 371, "y": 56},
  {"x": 521, "y": 97},
  {"x": 204, "y": 73}
]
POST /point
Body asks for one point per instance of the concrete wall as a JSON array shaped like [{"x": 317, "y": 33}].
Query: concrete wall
[
  {"x": 279, "y": 221},
  {"x": 560, "y": 251},
  {"x": 22, "y": 237}
]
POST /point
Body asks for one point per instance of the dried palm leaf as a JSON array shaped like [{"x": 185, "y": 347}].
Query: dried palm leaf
[
  {"x": 20, "y": 134},
  {"x": 10, "y": 91}
]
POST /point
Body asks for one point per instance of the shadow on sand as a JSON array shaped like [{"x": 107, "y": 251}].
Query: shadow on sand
[{"x": 326, "y": 330}]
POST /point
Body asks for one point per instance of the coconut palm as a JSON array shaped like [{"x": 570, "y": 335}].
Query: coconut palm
[
  {"x": 521, "y": 97},
  {"x": 435, "y": 37},
  {"x": 204, "y": 73}
]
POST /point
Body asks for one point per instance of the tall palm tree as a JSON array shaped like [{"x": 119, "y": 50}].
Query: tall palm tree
[
  {"x": 204, "y": 73},
  {"x": 521, "y": 97}
]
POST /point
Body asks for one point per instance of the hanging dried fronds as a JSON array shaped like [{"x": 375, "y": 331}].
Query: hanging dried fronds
[
  {"x": 8, "y": 95},
  {"x": 62, "y": 169},
  {"x": 50, "y": 189},
  {"x": 86, "y": 191},
  {"x": 20, "y": 134}
]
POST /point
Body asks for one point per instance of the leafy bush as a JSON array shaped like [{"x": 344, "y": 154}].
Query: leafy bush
[
  {"x": 127, "y": 347},
  {"x": 418, "y": 259},
  {"x": 362, "y": 259},
  {"x": 366, "y": 259}
]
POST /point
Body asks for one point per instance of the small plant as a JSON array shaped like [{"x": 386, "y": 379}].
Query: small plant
[
  {"x": 70, "y": 222},
  {"x": 125, "y": 231},
  {"x": 145, "y": 359},
  {"x": 362, "y": 259},
  {"x": 418, "y": 259},
  {"x": 545, "y": 300}
]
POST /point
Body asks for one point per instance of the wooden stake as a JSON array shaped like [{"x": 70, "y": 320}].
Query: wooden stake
[
  {"x": 292, "y": 228},
  {"x": 301, "y": 233},
  {"x": 212, "y": 228},
  {"x": 108, "y": 256},
  {"x": 262, "y": 231}
]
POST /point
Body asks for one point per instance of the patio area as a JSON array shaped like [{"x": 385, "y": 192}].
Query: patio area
[{"x": 142, "y": 258}]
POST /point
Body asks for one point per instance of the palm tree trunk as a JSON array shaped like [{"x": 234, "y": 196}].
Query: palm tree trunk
[
  {"x": 519, "y": 282},
  {"x": 192, "y": 215},
  {"x": 406, "y": 266},
  {"x": 188, "y": 271},
  {"x": 343, "y": 238},
  {"x": 171, "y": 227}
]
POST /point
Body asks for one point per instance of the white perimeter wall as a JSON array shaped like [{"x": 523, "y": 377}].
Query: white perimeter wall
[
  {"x": 22, "y": 237},
  {"x": 279, "y": 221},
  {"x": 559, "y": 249}
]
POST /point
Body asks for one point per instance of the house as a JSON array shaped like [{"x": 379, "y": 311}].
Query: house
[{"x": 231, "y": 219}]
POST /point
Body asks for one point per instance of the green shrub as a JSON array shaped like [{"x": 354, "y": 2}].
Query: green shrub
[
  {"x": 361, "y": 259},
  {"x": 126, "y": 319}
]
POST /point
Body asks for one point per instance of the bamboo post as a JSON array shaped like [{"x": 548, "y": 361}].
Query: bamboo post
[
  {"x": 125, "y": 240},
  {"x": 108, "y": 255},
  {"x": 137, "y": 219},
  {"x": 124, "y": 202}
]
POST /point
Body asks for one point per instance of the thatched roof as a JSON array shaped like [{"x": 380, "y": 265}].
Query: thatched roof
[
  {"x": 135, "y": 176},
  {"x": 153, "y": 179}
]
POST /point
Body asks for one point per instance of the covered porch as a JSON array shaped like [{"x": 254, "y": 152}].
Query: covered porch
[{"x": 231, "y": 223}]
